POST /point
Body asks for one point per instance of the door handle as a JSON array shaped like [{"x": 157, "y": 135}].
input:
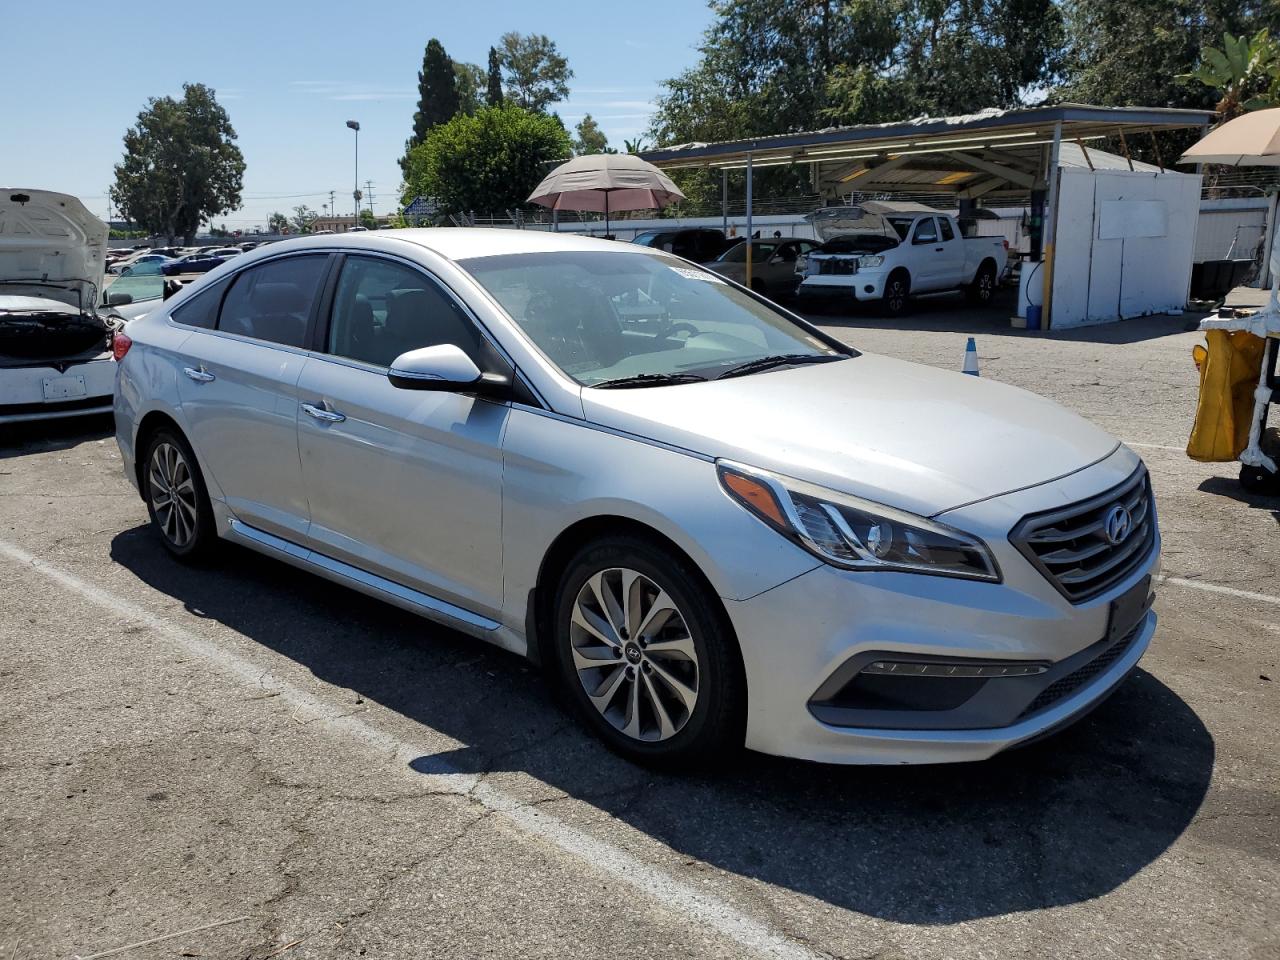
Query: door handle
[
  {"x": 199, "y": 376},
  {"x": 939, "y": 249},
  {"x": 320, "y": 413}
]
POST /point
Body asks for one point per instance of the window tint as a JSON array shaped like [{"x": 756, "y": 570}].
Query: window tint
[
  {"x": 382, "y": 309},
  {"x": 272, "y": 301},
  {"x": 202, "y": 309},
  {"x": 926, "y": 232},
  {"x": 945, "y": 226}
]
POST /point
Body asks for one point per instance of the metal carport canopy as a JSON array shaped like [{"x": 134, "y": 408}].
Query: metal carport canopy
[{"x": 1003, "y": 130}]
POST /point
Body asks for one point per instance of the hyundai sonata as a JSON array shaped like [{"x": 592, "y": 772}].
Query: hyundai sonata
[{"x": 713, "y": 523}]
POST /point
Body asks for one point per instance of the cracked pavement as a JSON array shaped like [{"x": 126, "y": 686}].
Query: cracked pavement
[{"x": 367, "y": 784}]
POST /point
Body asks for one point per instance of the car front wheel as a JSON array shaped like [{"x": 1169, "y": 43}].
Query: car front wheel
[{"x": 646, "y": 655}]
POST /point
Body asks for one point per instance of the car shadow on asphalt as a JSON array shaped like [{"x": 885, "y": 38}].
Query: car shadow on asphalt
[
  {"x": 1062, "y": 821},
  {"x": 950, "y": 313},
  {"x": 42, "y": 436}
]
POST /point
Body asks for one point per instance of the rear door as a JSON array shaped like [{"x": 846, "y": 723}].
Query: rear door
[
  {"x": 239, "y": 387},
  {"x": 406, "y": 484},
  {"x": 951, "y": 272}
]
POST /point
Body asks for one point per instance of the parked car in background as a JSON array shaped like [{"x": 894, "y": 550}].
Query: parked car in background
[
  {"x": 226, "y": 252},
  {"x": 698, "y": 244},
  {"x": 889, "y": 252},
  {"x": 728, "y": 529},
  {"x": 55, "y": 339},
  {"x": 156, "y": 258},
  {"x": 192, "y": 263},
  {"x": 773, "y": 264},
  {"x": 249, "y": 245}
]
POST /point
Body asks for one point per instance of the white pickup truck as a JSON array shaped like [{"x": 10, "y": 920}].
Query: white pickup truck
[{"x": 888, "y": 256}]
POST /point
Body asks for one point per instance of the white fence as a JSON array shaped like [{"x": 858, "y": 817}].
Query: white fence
[{"x": 1222, "y": 223}]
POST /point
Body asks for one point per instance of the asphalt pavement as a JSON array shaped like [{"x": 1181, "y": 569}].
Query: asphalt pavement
[{"x": 266, "y": 765}]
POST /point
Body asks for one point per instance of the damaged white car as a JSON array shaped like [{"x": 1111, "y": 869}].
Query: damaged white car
[{"x": 56, "y": 332}]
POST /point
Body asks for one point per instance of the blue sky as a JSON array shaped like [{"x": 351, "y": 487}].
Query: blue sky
[{"x": 291, "y": 73}]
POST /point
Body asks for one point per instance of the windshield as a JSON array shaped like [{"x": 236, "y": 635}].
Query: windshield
[
  {"x": 761, "y": 250},
  {"x": 901, "y": 225},
  {"x": 601, "y": 315},
  {"x": 649, "y": 239}
]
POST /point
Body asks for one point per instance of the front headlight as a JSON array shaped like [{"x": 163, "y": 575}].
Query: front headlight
[
  {"x": 872, "y": 261},
  {"x": 802, "y": 264},
  {"x": 857, "y": 534}
]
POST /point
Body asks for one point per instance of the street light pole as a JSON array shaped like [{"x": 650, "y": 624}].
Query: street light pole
[{"x": 355, "y": 193}]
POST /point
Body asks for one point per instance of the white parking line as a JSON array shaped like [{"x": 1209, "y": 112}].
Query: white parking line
[
  {"x": 666, "y": 890},
  {"x": 1215, "y": 588}
]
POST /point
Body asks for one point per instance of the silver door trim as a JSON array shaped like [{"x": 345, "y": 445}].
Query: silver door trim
[{"x": 368, "y": 583}]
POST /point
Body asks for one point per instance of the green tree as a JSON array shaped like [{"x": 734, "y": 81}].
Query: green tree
[
  {"x": 536, "y": 74},
  {"x": 470, "y": 81},
  {"x": 368, "y": 220},
  {"x": 1143, "y": 54},
  {"x": 590, "y": 138},
  {"x": 302, "y": 219},
  {"x": 493, "y": 91},
  {"x": 437, "y": 94},
  {"x": 635, "y": 146},
  {"x": 486, "y": 163},
  {"x": 1246, "y": 71},
  {"x": 181, "y": 165},
  {"x": 277, "y": 222}
]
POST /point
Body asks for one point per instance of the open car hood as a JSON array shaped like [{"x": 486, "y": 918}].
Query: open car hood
[
  {"x": 831, "y": 222},
  {"x": 50, "y": 246}
]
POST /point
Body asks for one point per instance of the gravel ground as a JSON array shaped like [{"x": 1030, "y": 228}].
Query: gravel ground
[{"x": 320, "y": 775}]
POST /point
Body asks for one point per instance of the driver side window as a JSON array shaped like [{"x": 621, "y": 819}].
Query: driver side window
[
  {"x": 926, "y": 231},
  {"x": 382, "y": 309}
]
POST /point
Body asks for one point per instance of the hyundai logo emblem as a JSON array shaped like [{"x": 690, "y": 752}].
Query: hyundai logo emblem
[{"x": 1118, "y": 525}]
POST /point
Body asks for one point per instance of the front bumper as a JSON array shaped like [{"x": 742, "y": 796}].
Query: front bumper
[
  {"x": 863, "y": 285},
  {"x": 797, "y": 638},
  {"x": 46, "y": 392}
]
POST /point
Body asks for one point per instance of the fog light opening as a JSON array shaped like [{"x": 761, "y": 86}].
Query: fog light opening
[{"x": 913, "y": 668}]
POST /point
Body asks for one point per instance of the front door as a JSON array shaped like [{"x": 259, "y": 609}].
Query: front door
[
  {"x": 239, "y": 388},
  {"x": 405, "y": 484}
]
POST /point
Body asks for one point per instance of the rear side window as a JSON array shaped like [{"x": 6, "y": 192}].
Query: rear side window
[
  {"x": 202, "y": 309},
  {"x": 945, "y": 226},
  {"x": 273, "y": 300}
]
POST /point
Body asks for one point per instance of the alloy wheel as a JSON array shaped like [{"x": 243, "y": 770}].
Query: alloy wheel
[
  {"x": 634, "y": 655},
  {"x": 896, "y": 295},
  {"x": 173, "y": 494}
]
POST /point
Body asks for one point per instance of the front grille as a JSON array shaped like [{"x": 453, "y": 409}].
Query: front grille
[
  {"x": 1075, "y": 548},
  {"x": 1064, "y": 686},
  {"x": 839, "y": 267}
]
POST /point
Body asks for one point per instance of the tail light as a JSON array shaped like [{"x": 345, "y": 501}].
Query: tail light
[{"x": 120, "y": 345}]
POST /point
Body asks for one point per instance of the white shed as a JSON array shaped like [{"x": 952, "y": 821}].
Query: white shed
[{"x": 1124, "y": 239}]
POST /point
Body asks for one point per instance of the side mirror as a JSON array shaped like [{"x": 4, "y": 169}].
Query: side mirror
[
  {"x": 118, "y": 299},
  {"x": 444, "y": 367}
]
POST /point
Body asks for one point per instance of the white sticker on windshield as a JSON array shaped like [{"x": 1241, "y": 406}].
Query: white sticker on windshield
[{"x": 698, "y": 274}]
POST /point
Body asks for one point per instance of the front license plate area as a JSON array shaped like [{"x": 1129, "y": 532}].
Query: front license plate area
[
  {"x": 1128, "y": 609},
  {"x": 64, "y": 388}
]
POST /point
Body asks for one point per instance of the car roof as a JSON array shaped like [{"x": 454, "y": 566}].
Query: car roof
[{"x": 460, "y": 243}]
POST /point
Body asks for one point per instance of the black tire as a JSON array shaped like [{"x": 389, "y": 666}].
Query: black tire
[
  {"x": 184, "y": 523},
  {"x": 897, "y": 293},
  {"x": 714, "y": 728},
  {"x": 1260, "y": 480},
  {"x": 983, "y": 287}
]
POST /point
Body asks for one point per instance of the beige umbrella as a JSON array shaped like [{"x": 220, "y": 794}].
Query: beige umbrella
[
  {"x": 606, "y": 181},
  {"x": 1251, "y": 140}
]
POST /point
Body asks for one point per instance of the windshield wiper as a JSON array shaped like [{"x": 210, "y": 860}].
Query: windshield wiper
[
  {"x": 777, "y": 360},
  {"x": 648, "y": 380}
]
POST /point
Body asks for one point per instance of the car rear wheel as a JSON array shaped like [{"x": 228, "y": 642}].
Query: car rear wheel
[
  {"x": 646, "y": 655},
  {"x": 177, "y": 500},
  {"x": 897, "y": 291}
]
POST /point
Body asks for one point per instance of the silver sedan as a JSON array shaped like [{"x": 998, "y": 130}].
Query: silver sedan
[{"x": 712, "y": 523}]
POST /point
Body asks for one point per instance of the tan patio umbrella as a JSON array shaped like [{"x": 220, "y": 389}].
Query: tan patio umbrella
[
  {"x": 606, "y": 181},
  {"x": 1251, "y": 140}
]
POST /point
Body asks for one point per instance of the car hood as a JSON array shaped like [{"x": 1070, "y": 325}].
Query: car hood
[
  {"x": 903, "y": 434},
  {"x": 51, "y": 246}
]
